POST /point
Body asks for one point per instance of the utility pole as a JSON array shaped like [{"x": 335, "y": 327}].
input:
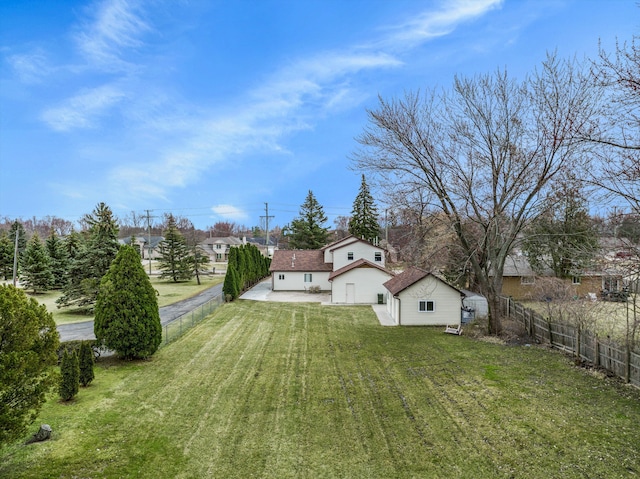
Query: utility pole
[
  {"x": 266, "y": 217},
  {"x": 149, "y": 238}
]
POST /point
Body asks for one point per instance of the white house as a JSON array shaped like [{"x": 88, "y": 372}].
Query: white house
[
  {"x": 360, "y": 282},
  {"x": 352, "y": 269},
  {"x": 419, "y": 298},
  {"x": 298, "y": 270},
  {"x": 217, "y": 248}
]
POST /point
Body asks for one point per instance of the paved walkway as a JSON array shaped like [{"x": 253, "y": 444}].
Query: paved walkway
[{"x": 262, "y": 292}]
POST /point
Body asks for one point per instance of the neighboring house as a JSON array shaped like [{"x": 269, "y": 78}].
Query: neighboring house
[
  {"x": 351, "y": 269},
  {"x": 519, "y": 279},
  {"x": 218, "y": 247},
  {"x": 419, "y": 298},
  {"x": 144, "y": 246}
]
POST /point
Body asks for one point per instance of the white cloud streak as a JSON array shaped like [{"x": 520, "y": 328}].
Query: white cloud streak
[
  {"x": 436, "y": 23},
  {"x": 82, "y": 110},
  {"x": 116, "y": 27}
]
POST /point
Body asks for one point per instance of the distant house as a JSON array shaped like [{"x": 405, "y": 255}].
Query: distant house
[
  {"x": 218, "y": 247},
  {"x": 145, "y": 247},
  {"x": 608, "y": 275},
  {"x": 419, "y": 298},
  {"x": 351, "y": 269}
]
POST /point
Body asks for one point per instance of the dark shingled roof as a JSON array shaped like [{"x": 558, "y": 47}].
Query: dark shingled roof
[
  {"x": 409, "y": 277},
  {"x": 299, "y": 260},
  {"x": 361, "y": 263}
]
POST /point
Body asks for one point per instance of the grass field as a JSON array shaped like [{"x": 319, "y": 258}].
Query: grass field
[
  {"x": 168, "y": 293},
  {"x": 283, "y": 390}
]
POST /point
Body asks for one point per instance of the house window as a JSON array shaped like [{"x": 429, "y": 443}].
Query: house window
[
  {"x": 307, "y": 277},
  {"x": 527, "y": 279},
  {"x": 218, "y": 246},
  {"x": 576, "y": 280},
  {"x": 426, "y": 306},
  {"x": 281, "y": 276},
  {"x": 378, "y": 256},
  {"x": 350, "y": 255}
]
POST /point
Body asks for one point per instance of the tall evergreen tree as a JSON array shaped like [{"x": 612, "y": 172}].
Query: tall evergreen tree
[
  {"x": 86, "y": 362},
  {"x": 36, "y": 266},
  {"x": 127, "y": 319},
  {"x": 364, "y": 216},
  {"x": 28, "y": 344},
  {"x": 231, "y": 287},
  {"x": 175, "y": 258},
  {"x": 199, "y": 261},
  {"x": 92, "y": 261},
  {"x": 59, "y": 260},
  {"x": 307, "y": 231},
  {"x": 69, "y": 375},
  {"x": 563, "y": 239},
  {"x": 6, "y": 256}
]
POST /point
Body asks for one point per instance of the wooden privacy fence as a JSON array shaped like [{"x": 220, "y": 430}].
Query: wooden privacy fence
[{"x": 602, "y": 352}]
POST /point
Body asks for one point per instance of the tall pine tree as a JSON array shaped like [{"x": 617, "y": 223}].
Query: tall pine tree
[
  {"x": 175, "y": 257},
  {"x": 563, "y": 238},
  {"x": 6, "y": 256},
  {"x": 92, "y": 261},
  {"x": 364, "y": 216},
  {"x": 127, "y": 319},
  {"x": 59, "y": 260},
  {"x": 307, "y": 231},
  {"x": 36, "y": 266}
]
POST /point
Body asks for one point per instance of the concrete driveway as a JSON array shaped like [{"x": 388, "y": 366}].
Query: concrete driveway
[{"x": 262, "y": 292}]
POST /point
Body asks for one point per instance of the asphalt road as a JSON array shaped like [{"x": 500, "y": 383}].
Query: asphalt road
[{"x": 84, "y": 329}]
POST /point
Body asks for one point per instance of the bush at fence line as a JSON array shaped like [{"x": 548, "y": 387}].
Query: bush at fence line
[{"x": 619, "y": 359}]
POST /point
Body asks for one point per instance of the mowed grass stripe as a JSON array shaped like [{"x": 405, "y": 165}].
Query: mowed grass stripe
[{"x": 306, "y": 391}]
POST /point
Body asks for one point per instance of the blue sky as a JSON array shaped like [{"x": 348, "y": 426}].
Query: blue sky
[{"x": 210, "y": 109}]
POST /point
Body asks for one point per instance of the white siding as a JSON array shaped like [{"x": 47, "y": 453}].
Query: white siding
[
  {"x": 294, "y": 281},
  {"x": 367, "y": 285},
  {"x": 328, "y": 255},
  {"x": 393, "y": 307},
  {"x": 447, "y": 304},
  {"x": 359, "y": 249}
]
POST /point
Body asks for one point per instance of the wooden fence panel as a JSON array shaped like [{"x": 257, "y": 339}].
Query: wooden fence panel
[{"x": 603, "y": 353}]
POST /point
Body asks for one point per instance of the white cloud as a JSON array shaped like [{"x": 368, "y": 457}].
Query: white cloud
[
  {"x": 116, "y": 26},
  {"x": 230, "y": 212},
  {"x": 436, "y": 23},
  {"x": 30, "y": 67},
  {"x": 81, "y": 110}
]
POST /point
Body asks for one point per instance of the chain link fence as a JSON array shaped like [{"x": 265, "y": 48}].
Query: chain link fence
[{"x": 176, "y": 328}]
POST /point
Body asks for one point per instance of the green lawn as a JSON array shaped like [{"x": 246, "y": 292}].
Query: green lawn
[
  {"x": 277, "y": 390},
  {"x": 168, "y": 293}
]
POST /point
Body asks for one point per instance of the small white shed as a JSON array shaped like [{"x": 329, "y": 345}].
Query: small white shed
[{"x": 419, "y": 298}]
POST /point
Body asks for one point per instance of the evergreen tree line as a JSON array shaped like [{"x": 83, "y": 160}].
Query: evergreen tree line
[{"x": 245, "y": 268}]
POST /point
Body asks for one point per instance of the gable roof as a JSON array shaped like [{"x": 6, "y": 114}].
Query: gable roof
[
  {"x": 299, "y": 260},
  {"x": 361, "y": 263},
  {"x": 352, "y": 239},
  {"x": 346, "y": 240},
  {"x": 230, "y": 240},
  {"x": 155, "y": 240},
  {"x": 409, "y": 277}
]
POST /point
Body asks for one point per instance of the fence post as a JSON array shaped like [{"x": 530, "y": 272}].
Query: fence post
[
  {"x": 627, "y": 361},
  {"x": 596, "y": 348}
]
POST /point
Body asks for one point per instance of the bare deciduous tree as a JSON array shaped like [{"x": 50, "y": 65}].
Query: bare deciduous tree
[
  {"x": 619, "y": 75},
  {"x": 484, "y": 152}
]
